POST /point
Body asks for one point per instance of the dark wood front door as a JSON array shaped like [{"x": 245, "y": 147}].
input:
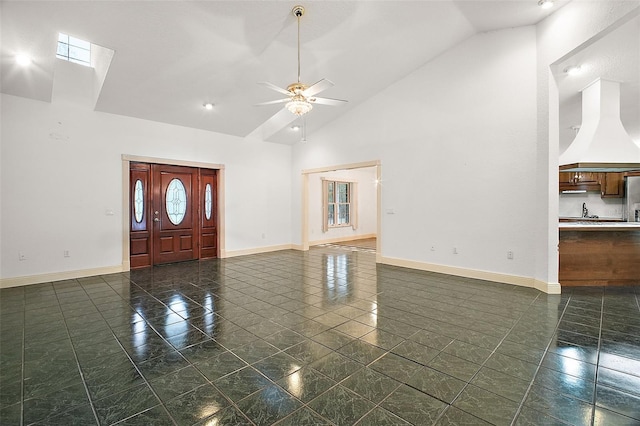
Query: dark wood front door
[
  {"x": 173, "y": 214},
  {"x": 208, "y": 213},
  {"x": 175, "y": 219},
  {"x": 140, "y": 237}
]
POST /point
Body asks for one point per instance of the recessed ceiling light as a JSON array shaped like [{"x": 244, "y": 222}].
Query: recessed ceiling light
[
  {"x": 573, "y": 70},
  {"x": 545, "y": 4},
  {"x": 295, "y": 128},
  {"x": 23, "y": 59},
  {"x": 208, "y": 106}
]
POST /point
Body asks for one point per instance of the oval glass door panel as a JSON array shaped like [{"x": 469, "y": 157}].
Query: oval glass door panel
[
  {"x": 138, "y": 201},
  {"x": 208, "y": 201},
  {"x": 176, "y": 201}
]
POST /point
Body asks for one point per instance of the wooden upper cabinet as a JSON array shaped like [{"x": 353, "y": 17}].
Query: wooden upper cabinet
[
  {"x": 587, "y": 177},
  {"x": 612, "y": 185},
  {"x": 579, "y": 181},
  {"x": 577, "y": 178},
  {"x": 566, "y": 177}
]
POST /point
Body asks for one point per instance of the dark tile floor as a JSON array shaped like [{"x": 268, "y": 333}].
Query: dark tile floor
[{"x": 323, "y": 337}]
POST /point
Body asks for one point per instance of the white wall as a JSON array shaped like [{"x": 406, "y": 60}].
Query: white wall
[
  {"x": 56, "y": 190},
  {"x": 366, "y": 192},
  {"x": 456, "y": 141}
]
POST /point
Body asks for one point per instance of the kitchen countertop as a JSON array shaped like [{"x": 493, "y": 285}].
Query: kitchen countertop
[
  {"x": 590, "y": 219},
  {"x": 593, "y": 225}
]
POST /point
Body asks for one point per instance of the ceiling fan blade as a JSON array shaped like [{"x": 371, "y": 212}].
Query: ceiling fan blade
[
  {"x": 276, "y": 88},
  {"x": 279, "y": 101},
  {"x": 317, "y": 87},
  {"x": 273, "y": 125},
  {"x": 327, "y": 101}
]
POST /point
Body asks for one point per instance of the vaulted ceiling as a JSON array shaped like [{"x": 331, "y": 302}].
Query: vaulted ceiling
[
  {"x": 171, "y": 57},
  {"x": 614, "y": 56}
]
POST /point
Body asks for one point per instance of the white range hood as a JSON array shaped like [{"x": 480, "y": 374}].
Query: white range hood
[{"x": 602, "y": 144}]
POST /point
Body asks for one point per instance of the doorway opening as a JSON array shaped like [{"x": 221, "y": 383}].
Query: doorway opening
[{"x": 341, "y": 206}]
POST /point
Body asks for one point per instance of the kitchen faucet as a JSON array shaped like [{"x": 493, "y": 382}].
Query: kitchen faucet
[{"x": 585, "y": 212}]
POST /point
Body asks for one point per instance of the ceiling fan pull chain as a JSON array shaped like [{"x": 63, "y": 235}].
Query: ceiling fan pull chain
[{"x": 304, "y": 128}]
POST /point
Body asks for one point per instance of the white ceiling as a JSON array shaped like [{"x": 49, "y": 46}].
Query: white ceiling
[{"x": 173, "y": 56}]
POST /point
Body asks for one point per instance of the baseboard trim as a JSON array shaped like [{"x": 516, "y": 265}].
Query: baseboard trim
[
  {"x": 469, "y": 273},
  {"x": 341, "y": 239},
  {"x": 258, "y": 250},
  {"x": 59, "y": 276},
  {"x": 549, "y": 288}
]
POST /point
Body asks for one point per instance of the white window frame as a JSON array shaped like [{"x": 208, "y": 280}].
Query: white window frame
[
  {"x": 351, "y": 203},
  {"x": 73, "y": 45}
]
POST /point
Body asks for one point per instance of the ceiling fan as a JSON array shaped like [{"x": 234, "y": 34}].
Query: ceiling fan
[{"x": 300, "y": 97}]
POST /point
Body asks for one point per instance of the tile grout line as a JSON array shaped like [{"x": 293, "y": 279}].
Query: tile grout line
[
  {"x": 484, "y": 363},
  {"x": 248, "y": 365},
  {"x": 129, "y": 357},
  {"x": 336, "y": 383},
  {"x": 533, "y": 378},
  {"x": 376, "y": 405},
  {"x": 595, "y": 379},
  {"x": 75, "y": 355},
  {"x": 126, "y": 354},
  {"x": 24, "y": 327},
  {"x": 210, "y": 382}
]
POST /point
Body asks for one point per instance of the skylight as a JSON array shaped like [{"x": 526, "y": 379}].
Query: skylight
[{"x": 74, "y": 50}]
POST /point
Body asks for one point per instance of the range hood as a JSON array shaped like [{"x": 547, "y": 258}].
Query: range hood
[{"x": 602, "y": 144}]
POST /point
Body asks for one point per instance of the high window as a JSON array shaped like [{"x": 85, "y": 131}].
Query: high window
[{"x": 74, "y": 50}]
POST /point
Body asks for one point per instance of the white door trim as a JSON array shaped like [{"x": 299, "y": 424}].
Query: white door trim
[{"x": 127, "y": 159}]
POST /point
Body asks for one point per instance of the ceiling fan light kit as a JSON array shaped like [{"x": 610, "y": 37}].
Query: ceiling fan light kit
[
  {"x": 299, "y": 105},
  {"x": 301, "y": 97}
]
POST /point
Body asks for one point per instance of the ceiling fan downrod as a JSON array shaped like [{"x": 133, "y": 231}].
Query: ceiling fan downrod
[
  {"x": 300, "y": 97},
  {"x": 298, "y": 11}
]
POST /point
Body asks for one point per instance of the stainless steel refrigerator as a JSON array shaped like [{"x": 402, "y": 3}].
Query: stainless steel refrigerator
[{"x": 632, "y": 195}]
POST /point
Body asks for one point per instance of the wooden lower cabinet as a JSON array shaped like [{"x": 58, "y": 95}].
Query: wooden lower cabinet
[{"x": 599, "y": 258}]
